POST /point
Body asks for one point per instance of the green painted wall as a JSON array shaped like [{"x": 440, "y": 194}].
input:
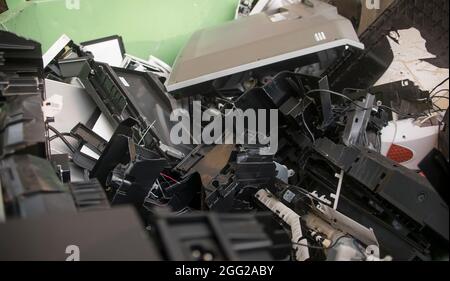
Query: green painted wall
[
  {"x": 156, "y": 27},
  {"x": 13, "y": 4}
]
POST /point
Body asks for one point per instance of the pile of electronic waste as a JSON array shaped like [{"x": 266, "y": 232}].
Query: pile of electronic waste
[{"x": 358, "y": 172}]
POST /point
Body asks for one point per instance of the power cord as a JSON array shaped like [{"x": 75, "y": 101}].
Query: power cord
[{"x": 63, "y": 138}]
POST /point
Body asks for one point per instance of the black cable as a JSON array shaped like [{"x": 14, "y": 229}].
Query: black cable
[
  {"x": 337, "y": 94},
  {"x": 440, "y": 84},
  {"x": 309, "y": 246},
  {"x": 435, "y": 96},
  {"x": 338, "y": 240},
  {"x": 322, "y": 90},
  {"x": 325, "y": 248},
  {"x": 351, "y": 100},
  {"x": 66, "y": 142},
  {"x": 440, "y": 91},
  {"x": 439, "y": 109},
  {"x": 440, "y": 97},
  {"x": 64, "y": 134},
  {"x": 387, "y": 107}
]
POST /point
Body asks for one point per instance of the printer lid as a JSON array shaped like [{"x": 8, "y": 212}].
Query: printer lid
[{"x": 260, "y": 40}]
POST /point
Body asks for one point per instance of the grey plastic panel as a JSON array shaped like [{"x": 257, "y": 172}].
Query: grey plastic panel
[{"x": 260, "y": 40}]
